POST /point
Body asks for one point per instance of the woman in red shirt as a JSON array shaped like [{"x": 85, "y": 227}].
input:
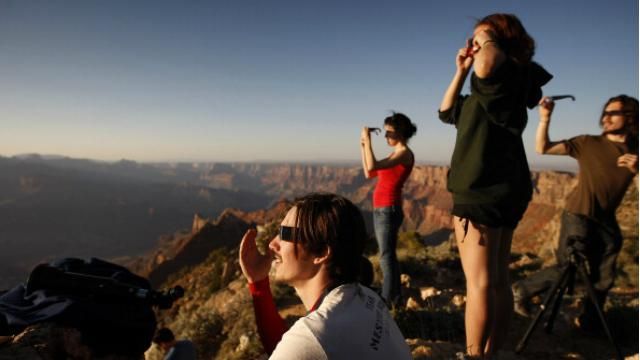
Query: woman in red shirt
[{"x": 392, "y": 172}]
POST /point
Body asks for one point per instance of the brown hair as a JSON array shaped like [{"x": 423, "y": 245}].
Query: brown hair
[
  {"x": 401, "y": 124},
  {"x": 511, "y": 36},
  {"x": 328, "y": 221},
  {"x": 630, "y": 107}
]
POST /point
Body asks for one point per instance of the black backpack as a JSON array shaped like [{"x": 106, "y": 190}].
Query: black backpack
[{"x": 110, "y": 306}]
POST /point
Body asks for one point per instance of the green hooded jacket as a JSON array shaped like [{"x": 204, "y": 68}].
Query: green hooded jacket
[{"x": 489, "y": 164}]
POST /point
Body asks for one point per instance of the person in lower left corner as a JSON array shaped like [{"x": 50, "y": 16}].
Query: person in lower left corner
[
  {"x": 81, "y": 309},
  {"x": 172, "y": 348},
  {"x": 319, "y": 252}
]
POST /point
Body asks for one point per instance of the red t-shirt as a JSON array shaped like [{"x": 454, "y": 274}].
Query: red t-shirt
[{"x": 388, "y": 190}]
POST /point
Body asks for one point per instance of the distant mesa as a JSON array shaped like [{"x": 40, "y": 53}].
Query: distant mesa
[{"x": 36, "y": 156}]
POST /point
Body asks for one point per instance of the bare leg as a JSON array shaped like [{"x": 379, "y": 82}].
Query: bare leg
[
  {"x": 504, "y": 299},
  {"x": 479, "y": 257}
]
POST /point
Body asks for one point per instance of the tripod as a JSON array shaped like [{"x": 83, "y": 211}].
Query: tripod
[{"x": 564, "y": 284}]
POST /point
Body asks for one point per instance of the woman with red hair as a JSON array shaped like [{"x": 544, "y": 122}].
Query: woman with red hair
[{"x": 489, "y": 177}]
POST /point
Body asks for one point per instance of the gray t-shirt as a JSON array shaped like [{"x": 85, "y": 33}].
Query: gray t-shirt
[
  {"x": 351, "y": 323},
  {"x": 182, "y": 350}
]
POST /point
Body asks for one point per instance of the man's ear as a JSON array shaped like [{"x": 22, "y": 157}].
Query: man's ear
[{"x": 323, "y": 258}]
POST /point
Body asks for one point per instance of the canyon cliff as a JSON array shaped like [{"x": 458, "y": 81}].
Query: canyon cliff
[{"x": 427, "y": 205}]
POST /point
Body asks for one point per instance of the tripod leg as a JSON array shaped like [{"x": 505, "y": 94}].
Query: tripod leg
[
  {"x": 557, "y": 289},
  {"x": 571, "y": 274},
  {"x": 592, "y": 295}
]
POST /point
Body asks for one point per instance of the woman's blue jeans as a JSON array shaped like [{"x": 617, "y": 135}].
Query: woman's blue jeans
[{"x": 386, "y": 223}]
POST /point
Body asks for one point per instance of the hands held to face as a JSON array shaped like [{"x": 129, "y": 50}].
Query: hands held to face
[
  {"x": 365, "y": 134},
  {"x": 465, "y": 56},
  {"x": 254, "y": 265}
]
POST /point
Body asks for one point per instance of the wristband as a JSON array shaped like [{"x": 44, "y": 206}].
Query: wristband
[{"x": 260, "y": 287}]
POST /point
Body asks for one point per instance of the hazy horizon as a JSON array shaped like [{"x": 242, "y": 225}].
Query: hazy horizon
[{"x": 330, "y": 162}]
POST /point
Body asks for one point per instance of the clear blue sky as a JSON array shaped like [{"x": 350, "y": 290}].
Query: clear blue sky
[{"x": 278, "y": 80}]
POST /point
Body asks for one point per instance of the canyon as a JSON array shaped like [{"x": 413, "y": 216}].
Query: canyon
[
  {"x": 207, "y": 208},
  {"x": 62, "y": 207}
]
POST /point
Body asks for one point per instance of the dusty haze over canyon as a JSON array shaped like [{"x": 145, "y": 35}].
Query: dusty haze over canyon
[{"x": 55, "y": 207}]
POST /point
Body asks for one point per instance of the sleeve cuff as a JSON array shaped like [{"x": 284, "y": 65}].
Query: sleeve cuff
[
  {"x": 445, "y": 115},
  {"x": 260, "y": 287}
]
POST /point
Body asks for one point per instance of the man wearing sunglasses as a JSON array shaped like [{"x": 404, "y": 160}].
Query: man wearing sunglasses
[
  {"x": 319, "y": 253},
  {"x": 608, "y": 163}
]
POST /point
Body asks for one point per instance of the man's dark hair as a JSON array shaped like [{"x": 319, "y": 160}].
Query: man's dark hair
[
  {"x": 401, "y": 124},
  {"x": 630, "y": 107},
  {"x": 328, "y": 221},
  {"x": 163, "y": 335}
]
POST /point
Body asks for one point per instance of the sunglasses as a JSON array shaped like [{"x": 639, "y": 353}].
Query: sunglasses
[
  {"x": 286, "y": 233},
  {"x": 614, "y": 113},
  {"x": 390, "y": 134}
]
